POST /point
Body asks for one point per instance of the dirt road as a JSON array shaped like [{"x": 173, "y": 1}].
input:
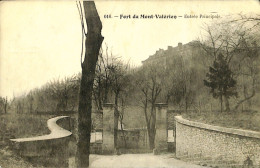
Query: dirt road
[{"x": 138, "y": 161}]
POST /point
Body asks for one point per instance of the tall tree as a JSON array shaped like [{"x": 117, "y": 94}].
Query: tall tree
[
  {"x": 93, "y": 43},
  {"x": 221, "y": 81},
  {"x": 150, "y": 84},
  {"x": 237, "y": 38},
  {"x": 247, "y": 72},
  {"x": 63, "y": 92},
  {"x": 102, "y": 83},
  {"x": 120, "y": 80}
]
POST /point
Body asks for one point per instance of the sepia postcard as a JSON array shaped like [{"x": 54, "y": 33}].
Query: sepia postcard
[{"x": 130, "y": 84}]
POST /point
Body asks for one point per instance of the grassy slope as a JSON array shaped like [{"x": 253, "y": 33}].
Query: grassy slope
[
  {"x": 134, "y": 117},
  {"x": 24, "y": 125},
  {"x": 249, "y": 120},
  {"x": 10, "y": 160}
]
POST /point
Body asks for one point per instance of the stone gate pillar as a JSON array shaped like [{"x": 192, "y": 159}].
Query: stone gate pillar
[
  {"x": 161, "y": 127},
  {"x": 108, "y": 128}
]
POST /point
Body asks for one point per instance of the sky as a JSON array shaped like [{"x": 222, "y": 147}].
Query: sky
[{"x": 41, "y": 40}]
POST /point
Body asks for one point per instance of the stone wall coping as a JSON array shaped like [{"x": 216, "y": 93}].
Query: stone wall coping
[
  {"x": 56, "y": 132},
  {"x": 241, "y": 132}
]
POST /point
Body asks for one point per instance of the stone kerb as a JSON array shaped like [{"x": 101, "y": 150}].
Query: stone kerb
[
  {"x": 161, "y": 127},
  {"x": 217, "y": 144},
  {"x": 52, "y": 148},
  {"x": 108, "y": 128}
]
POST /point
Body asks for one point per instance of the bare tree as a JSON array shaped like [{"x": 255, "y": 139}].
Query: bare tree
[
  {"x": 102, "y": 83},
  {"x": 93, "y": 43},
  {"x": 64, "y": 92},
  {"x": 29, "y": 102},
  {"x": 251, "y": 22},
  {"x": 178, "y": 83},
  {"x": 247, "y": 71},
  {"x": 149, "y": 83},
  {"x": 233, "y": 38},
  {"x": 121, "y": 112},
  {"x": 119, "y": 81}
]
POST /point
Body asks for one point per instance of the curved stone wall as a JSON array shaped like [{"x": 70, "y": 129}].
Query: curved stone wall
[
  {"x": 50, "y": 150},
  {"x": 216, "y": 145},
  {"x": 56, "y": 132}
]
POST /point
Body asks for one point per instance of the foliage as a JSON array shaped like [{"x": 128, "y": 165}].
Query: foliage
[
  {"x": 54, "y": 97},
  {"x": 10, "y": 159},
  {"x": 3, "y": 105},
  {"x": 248, "y": 120},
  {"x": 20, "y": 125},
  {"x": 237, "y": 38},
  {"x": 221, "y": 81},
  {"x": 102, "y": 81}
]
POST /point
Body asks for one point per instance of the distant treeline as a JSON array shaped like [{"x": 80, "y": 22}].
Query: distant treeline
[{"x": 218, "y": 71}]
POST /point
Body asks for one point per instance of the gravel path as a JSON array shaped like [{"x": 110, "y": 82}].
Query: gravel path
[{"x": 138, "y": 161}]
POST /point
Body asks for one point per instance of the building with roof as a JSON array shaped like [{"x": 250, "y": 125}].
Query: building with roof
[{"x": 166, "y": 57}]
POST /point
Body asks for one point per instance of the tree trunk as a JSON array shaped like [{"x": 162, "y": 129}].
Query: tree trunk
[
  {"x": 93, "y": 43},
  {"x": 31, "y": 108},
  {"x": 152, "y": 128},
  {"x": 151, "y": 135},
  {"x": 123, "y": 131},
  {"x": 99, "y": 98},
  {"x": 221, "y": 102},
  {"x": 186, "y": 103},
  {"x": 245, "y": 99},
  {"x": 96, "y": 100},
  {"x": 5, "y": 105},
  {"x": 5, "y": 108},
  {"x": 116, "y": 118},
  {"x": 168, "y": 98},
  {"x": 150, "y": 122},
  {"x": 105, "y": 95},
  {"x": 65, "y": 104},
  {"x": 227, "y": 104}
]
